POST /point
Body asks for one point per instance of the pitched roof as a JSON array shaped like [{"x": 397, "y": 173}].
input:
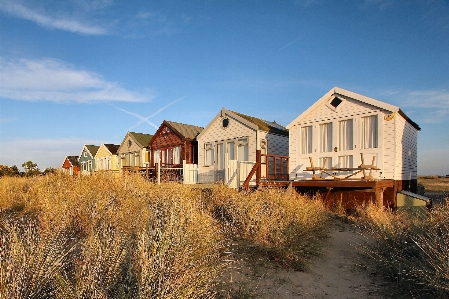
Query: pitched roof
[
  {"x": 112, "y": 148},
  {"x": 188, "y": 131},
  {"x": 141, "y": 138},
  {"x": 361, "y": 98},
  {"x": 264, "y": 125},
  {"x": 92, "y": 149},
  {"x": 73, "y": 160}
]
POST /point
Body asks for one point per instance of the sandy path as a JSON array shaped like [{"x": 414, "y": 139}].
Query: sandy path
[{"x": 335, "y": 274}]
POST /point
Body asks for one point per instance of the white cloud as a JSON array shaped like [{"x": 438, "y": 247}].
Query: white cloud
[
  {"x": 50, "y": 20},
  {"x": 56, "y": 81},
  {"x": 44, "y": 152},
  {"x": 431, "y": 106}
]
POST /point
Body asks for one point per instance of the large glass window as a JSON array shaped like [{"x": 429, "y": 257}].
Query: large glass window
[
  {"x": 345, "y": 129},
  {"x": 220, "y": 156},
  {"x": 208, "y": 154},
  {"x": 231, "y": 152},
  {"x": 369, "y": 132},
  {"x": 326, "y": 137},
  {"x": 156, "y": 157},
  {"x": 177, "y": 155},
  {"x": 306, "y": 140},
  {"x": 242, "y": 154}
]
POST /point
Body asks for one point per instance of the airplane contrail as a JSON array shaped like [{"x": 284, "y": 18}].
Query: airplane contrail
[
  {"x": 146, "y": 119},
  {"x": 155, "y": 113},
  {"x": 136, "y": 115}
]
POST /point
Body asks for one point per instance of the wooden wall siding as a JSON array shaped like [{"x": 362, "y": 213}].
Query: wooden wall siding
[
  {"x": 102, "y": 152},
  {"x": 348, "y": 109},
  {"x": 215, "y": 133},
  {"x": 406, "y": 154},
  {"x": 70, "y": 168},
  {"x": 277, "y": 144},
  {"x": 165, "y": 140},
  {"x": 170, "y": 140},
  {"x": 134, "y": 149},
  {"x": 354, "y": 110},
  {"x": 293, "y": 147},
  {"x": 389, "y": 149},
  {"x": 66, "y": 164},
  {"x": 85, "y": 160},
  {"x": 124, "y": 148}
]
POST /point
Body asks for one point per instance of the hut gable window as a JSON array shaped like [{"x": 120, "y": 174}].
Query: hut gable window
[
  {"x": 166, "y": 130},
  {"x": 334, "y": 103}
]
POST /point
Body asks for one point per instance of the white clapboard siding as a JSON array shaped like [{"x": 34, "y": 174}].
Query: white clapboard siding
[
  {"x": 216, "y": 132},
  {"x": 349, "y": 108},
  {"x": 277, "y": 144},
  {"x": 406, "y": 153},
  {"x": 396, "y": 154},
  {"x": 389, "y": 149}
]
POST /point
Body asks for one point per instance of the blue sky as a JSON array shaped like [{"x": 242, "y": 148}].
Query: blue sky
[{"x": 81, "y": 72}]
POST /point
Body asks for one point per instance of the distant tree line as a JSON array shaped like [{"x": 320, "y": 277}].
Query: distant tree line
[{"x": 31, "y": 169}]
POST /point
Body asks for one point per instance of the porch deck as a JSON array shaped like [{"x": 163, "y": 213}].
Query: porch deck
[{"x": 350, "y": 187}]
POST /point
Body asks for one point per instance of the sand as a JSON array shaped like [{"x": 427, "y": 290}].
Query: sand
[{"x": 337, "y": 273}]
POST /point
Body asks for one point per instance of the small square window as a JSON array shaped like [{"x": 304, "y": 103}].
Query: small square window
[{"x": 335, "y": 102}]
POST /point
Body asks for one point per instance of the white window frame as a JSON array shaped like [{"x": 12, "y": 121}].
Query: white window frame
[
  {"x": 326, "y": 137},
  {"x": 177, "y": 155},
  {"x": 346, "y": 135},
  {"x": 369, "y": 132},
  {"x": 243, "y": 144},
  {"x": 306, "y": 141},
  {"x": 208, "y": 154}
]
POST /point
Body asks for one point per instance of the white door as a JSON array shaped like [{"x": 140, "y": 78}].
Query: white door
[{"x": 220, "y": 163}]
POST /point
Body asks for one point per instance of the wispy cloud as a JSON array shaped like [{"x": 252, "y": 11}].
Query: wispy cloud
[
  {"x": 56, "y": 81},
  {"x": 52, "y": 20},
  {"x": 431, "y": 106}
]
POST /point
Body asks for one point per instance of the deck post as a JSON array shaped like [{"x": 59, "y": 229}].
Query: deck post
[
  {"x": 158, "y": 171},
  {"x": 379, "y": 197},
  {"x": 258, "y": 171}
]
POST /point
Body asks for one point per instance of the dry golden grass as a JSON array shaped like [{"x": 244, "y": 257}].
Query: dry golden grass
[
  {"x": 410, "y": 249},
  {"x": 105, "y": 237},
  {"x": 121, "y": 237},
  {"x": 289, "y": 227},
  {"x": 434, "y": 183}
]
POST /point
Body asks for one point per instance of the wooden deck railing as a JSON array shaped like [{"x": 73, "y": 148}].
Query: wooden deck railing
[{"x": 276, "y": 168}]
